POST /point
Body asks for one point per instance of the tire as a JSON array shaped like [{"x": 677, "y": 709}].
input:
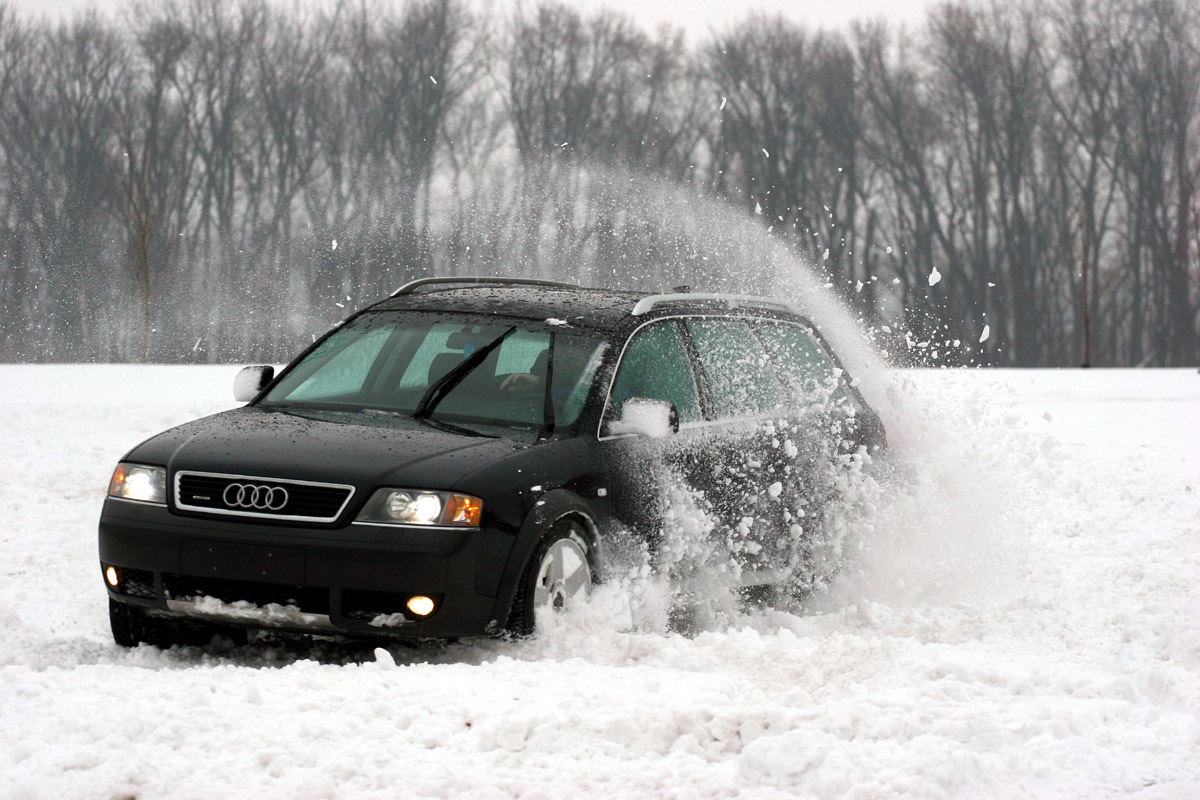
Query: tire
[
  {"x": 559, "y": 573},
  {"x": 131, "y": 626}
]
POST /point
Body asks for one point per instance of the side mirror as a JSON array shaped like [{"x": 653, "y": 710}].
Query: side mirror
[
  {"x": 641, "y": 416},
  {"x": 250, "y": 381}
]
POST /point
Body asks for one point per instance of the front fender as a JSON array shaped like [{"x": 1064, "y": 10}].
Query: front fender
[{"x": 548, "y": 509}]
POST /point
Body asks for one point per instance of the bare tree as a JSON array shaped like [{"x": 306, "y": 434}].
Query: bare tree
[
  {"x": 559, "y": 71},
  {"x": 151, "y": 158},
  {"x": 1041, "y": 158},
  {"x": 791, "y": 136},
  {"x": 406, "y": 72},
  {"x": 1156, "y": 165}
]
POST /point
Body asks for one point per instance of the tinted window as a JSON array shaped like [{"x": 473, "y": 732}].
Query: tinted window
[
  {"x": 740, "y": 375},
  {"x": 518, "y": 368},
  {"x": 575, "y": 363},
  {"x": 388, "y": 362},
  {"x": 349, "y": 362},
  {"x": 514, "y": 372},
  {"x": 806, "y": 364},
  {"x": 655, "y": 366}
]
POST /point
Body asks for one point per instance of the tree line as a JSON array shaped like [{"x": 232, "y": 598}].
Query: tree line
[{"x": 213, "y": 180}]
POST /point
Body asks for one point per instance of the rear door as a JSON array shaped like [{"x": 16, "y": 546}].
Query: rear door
[
  {"x": 826, "y": 427},
  {"x": 740, "y": 464}
]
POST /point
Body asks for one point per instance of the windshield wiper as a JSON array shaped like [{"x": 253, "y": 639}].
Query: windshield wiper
[
  {"x": 433, "y": 423},
  {"x": 445, "y": 384},
  {"x": 442, "y": 425}
]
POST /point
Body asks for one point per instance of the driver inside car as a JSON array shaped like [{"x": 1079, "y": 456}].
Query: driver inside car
[{"x": 527, "y": 382}]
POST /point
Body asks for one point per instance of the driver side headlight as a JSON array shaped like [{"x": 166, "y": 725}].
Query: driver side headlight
[
  {"x": 139, "y": 482},
  {"x": 422, "y": 507}
]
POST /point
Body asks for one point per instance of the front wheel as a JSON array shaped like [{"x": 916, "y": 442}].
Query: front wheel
[{"x": 559, "y": 575}]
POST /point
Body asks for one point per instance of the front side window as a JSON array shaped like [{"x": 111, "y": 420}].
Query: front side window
[
  {"x": 655, "y": 366},
  {"x": 740, "y": 375},
  {"x": 416, "y": 364}
]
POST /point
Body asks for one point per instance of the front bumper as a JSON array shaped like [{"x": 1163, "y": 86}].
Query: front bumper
[{"x": 353, "y": 580}]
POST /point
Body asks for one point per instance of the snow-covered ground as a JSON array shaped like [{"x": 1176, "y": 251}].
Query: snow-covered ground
[{"x": 1024, "y": 621}]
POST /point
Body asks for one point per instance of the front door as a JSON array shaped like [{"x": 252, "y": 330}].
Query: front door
[{"x": 643, "y": 475}]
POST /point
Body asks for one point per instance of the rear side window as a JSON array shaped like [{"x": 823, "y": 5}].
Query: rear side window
[
  {"x": 740, "y": 374},
  {"x": 809, "y": 369},
  {"x": 655, "y": 366}
]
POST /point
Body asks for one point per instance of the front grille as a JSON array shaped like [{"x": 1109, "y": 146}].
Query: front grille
[
  {"x": 244, "y": 496},
  {"x": 309, "y": 599}
]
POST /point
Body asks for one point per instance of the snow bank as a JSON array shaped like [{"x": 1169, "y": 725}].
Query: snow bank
[{"x": 1019, "y": 622}]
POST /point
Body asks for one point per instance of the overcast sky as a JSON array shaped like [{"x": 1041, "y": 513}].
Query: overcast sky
[{"x": 697, "y": 17}]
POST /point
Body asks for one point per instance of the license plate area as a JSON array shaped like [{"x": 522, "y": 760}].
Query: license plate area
[{"x": 242, "y": 562}]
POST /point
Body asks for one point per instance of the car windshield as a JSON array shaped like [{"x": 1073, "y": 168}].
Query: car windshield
[{"x": 415, "y": 363}]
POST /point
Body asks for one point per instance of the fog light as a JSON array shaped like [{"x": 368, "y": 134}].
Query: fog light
[
  {"x": 420, "y": 605},
  {"x": 111, "y": 576}
]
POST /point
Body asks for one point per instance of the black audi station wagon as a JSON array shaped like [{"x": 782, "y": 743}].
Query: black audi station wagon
[{"x": 457, "y": 457}]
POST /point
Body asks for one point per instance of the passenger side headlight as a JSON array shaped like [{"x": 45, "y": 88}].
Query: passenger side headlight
[
  {"x": 422, "y": 507},
  {"x": 139, "y": 482}
]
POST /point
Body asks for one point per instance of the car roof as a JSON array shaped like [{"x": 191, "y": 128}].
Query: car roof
[
  {"x": 543, "y": 300},
  {"x": 593, "y": 308}
]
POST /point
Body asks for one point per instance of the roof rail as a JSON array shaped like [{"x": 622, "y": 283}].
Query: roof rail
[
  {"x": 412, "y": 286},
  {"x": 646, "y": 304}
]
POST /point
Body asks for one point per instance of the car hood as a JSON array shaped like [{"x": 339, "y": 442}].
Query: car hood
[{"x": 365, "y": 450}]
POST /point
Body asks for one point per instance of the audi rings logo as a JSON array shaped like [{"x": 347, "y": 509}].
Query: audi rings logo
[{"x": 257, "y": 497}]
